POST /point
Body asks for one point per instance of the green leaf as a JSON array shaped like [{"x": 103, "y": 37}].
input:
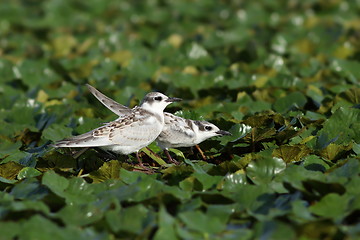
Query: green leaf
[
  {"x": 274, "y": 230},
  {"x": 9, "y": 230},
  {"x": 129, "y": 177},
  {"x": 350, "y": 169},
  {"x": 300, "y": 211},
  {"x": 10, "y": 152},
  {"x": 291, "y": 153},
  {"x": 231, "y": 181},
  {"x": 293, "y": 100},
  {"x": 56, "y": 183},
  {"x": 343, "y": 125},
  {"x": 198, "y": 221},
  {"x": 238, "y": 131},
  {"x": 263, "y": 170},
  {"x": 315, "y": 163},
  {"x": 329, "y": 206},
  {"x": 352, "y": 95},
  {"x": 109, "y": 170},
  {"x": 56, "y": 132},
  {"x": 166, "y": 226},
  {"x": 28, "y": 172},
  {"x": 80, "y": 215},
  {"x": 333, "y": 151},
  {"x": 29, "y": 188},
  {"x": 347, "y": 68},
  {"x": 10, "y": 170},
  {"x": 132, "y": 219}
]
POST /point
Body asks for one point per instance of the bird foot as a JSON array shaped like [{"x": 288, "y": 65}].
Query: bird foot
[
  {"x": 170, "y": 158},
  {"x": 201, "y": 152}
]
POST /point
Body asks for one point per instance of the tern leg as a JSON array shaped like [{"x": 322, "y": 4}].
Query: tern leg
[
  {"x": 139, "y": 160},
  {"x": 145, "y": 169},
  {"x": 201, "y": 152},
  {"x": 170, "y": 158}
]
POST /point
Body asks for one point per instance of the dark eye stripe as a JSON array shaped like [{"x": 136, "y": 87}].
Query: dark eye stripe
[{"x": 208, "y": 128}]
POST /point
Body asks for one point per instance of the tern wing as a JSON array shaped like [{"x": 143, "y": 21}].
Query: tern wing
[
  {"x": 140, "y": 129},
  {"x": 131, "y": 130},
  {"x": 112, "y": 105},
  {"x": 178, "y": 125},
  {"x": 89, "y": 139}
]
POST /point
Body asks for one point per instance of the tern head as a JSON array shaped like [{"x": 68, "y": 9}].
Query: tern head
[
  {"x": 207, "y": 130},
  {"x": 156, "y": 101}
]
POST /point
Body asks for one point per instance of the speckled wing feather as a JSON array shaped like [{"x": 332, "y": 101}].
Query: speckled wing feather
[
  {"x": 113, "y": 106},
  {"x": 178, "y": 125},
  {"x": 127, "y": 131}
]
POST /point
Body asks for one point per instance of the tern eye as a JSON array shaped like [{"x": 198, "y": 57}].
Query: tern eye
[
  {"x": 209, "y": 128},
  {"x": 158, "y": 98}
]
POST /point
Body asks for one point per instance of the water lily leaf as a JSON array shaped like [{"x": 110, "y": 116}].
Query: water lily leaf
[
  {"x": 39, "y": 227},
  {"x": 259, "y": 135},
  {"x": 78, "y": 191},
  {"x": 207, "y": 180},
  {"x": 198, "y": 221},
  {"x": 238, "y": 131},
  {"x": 333, "y": 151},
  {"x": 132, "y": 219},
  {"x": 265, "y": 119},
  {"x": 190, "y": 184},
  {"x": 323, "y": 141},
  {"x": 293, "y": 177},
  {"x": 274, "y": 230},
  {"x": 293, "y": 100},
  {"x": 80, "y": 215},
  {"x": 56, "y": 132},
  {"x": 352, "y": 95},
  {"x": 231, "y": 181},
  {"x": 347, "y": 68},
  {"x": 300, "y": 211},
  {"x": 36, "y": 73},
  {"x": 109, "y": 170},
  {"x": 189, "y": 115},
  {"x": 356, "y": 148},
  {"x": 5, "y": 182},
  {"x": 343, "y": 125},
  {"x": 318, "y": 188},
  {"x": 30, "y": 189},
  {"x": 291, "y": 153},
  {"x": 56, "y": 183},
  {"x": 10, "y": 152},
  {"x": 28, "y": 205},
  {"x": 53, "y": 158},
  {"x": 166, "y": 225},
  {"x": 10, "y": 170},
  {"x": 10, "y": 230},
  {"x": 329, "y": 206},
  {"x": 264, "y": 169},
  {"x": 315, "y": 163},
  {"x": 28, "y": 172},
  {"x": 348, "y": 169}
]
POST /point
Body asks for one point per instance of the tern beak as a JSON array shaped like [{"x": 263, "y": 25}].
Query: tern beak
[
  {"x": 173, "y": 99},
  {"x": 222, "y": 132}
]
